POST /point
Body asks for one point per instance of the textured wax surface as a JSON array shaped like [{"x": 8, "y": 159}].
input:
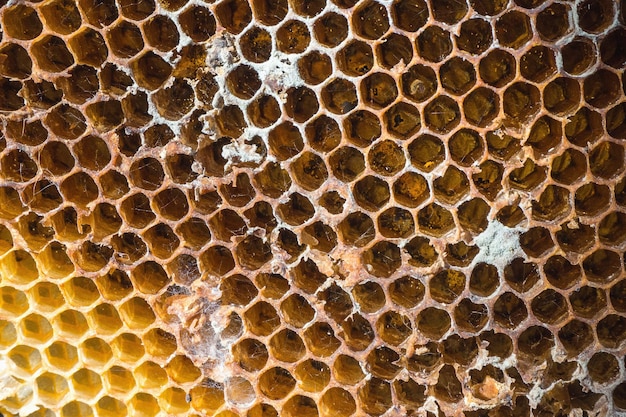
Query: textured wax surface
[{"x": 312, "y": 208}]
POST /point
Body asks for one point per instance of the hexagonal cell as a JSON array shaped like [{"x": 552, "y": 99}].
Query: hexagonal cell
[
  {"x": 616, "y": 121},
  {"x": 11, "y": 101},
  {"x": 18, "y": 166},
  {"x": 601, "y": 88},
  {"x": 51, "y": 388},
  {"x": 447, "y": 285},
  {"x": 217, "y": 260},
  {"x": 610, "y": 52},
  {"x": 370, "y": 20},
  {"x": 136, "y": 313},
  {"x": 394, "y": 328},
  {"x": 71, "y": 324},
  {"x": 161, "y": 240},
  {"x": 552, "y": 204},
  {"x": 127, "y": 347},
  {"x": 21, "y": 22},
  {"x": 536, "y": 342},
  {"x": 13, "y": 302},
  {"x": 145, "y": 404},
  {"x": 26, "y": 359},
  {"x": 150, "y": 70},
  {"x": 104, "y": 319},
  {"x": 575, "y": 337},
  {"x": 375, "y": 396},
  {"x": 86, "y": 383},
  {"x": 234, "y": 15},
  {"x": 95, "y": 352},
  {"x": 611, "y": 229},
  {"x": 545, "y": 135},
  {"x": 61, "y": 355},
  {"x": 561, "y": 273},
  {"x": 418, "y": 83},
  {"x": 433, "y": 322},
  {"x": 513, "y": 29},
  {"x": 292, "y": 37},
  {"x": 110, "y": 407},
  {"x": 208, "y": 396},
  {"x": 475, "y": 36},
  {"x": 602, "y": 266},
  {"x": 8, "y": 334},
  {"x": 276, "y": 383},
  {"x": 176, "y": 101},
  {"x": 434, "y": 44},
  {"x": 442, "y": 114},
  {"x": 339, "y": 96},
  {"x": 435, "y": 220},
  {"x": 362, "y": 127},
  {"x": 553, "y": 22},
  {"x": 256, "y": 45},
  {"x": 287, "y": 346},
  {"x": 469, "y": 316},
  {"x": 457, "y": 75},
  {"x": 594, "y": 16},
  {"x": 381, "y": 363},
  {"x": 285, "y": 141},
  {"x": 538, "y": 64},
  {"x": 611, "y": 331},
  {"x": 309, "y": 171},
  {"x": 261, "y": 319},
  {"x": 394, "y": 50},
  {"x": 382, "y": 259},
  {"x": 603, "y": 367},
  {"x": 17, "y": 63},
  {"x": 35, "y": 328},
  {"x": 182, "y": 370},
  {"x": 578, "y": 55},
  {"x": 378, "y": 90},
  {"x": 159, "y": 343}
]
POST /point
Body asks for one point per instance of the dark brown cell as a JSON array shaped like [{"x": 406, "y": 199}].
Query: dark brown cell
[
  {"x": 552, "y": 204},
  {"x": 569, "y": 167},
  {"x": 395, "y": 49},
  {"x": 18, "y": 166},
  {"x": 287, "y": 346},
  {"x": 410, "y": 189},
  {"x": 296, "y": 210},
  {"x": 513, "y": 29},
  {"x": 51, "y": 54},
  {"x": 584, "y": 127},
  {"x": 357, "y": 229},
  {"x": 549, "y": 306},
  {"x": 451, "y": 186},
  {"x": 256, "y": 45},
  {"x": 362, "y": 127},
  {"x": 475, "y": 36},
  {"x": 426, "y": 152},
  {"x": 591, "y": 199},
  {"x": 470, "y": 316},
  {"x": 521, "y": 101},
  {"x": 339, "y": 96},
  {"x": 520, "y": 275},
  {"x": 347, "y": 163},
  {"x": 396, "y": 223},
  {"x": 489, "y": 179},
  {"x": 561, "y": 96},
  {"x": 553, "y": 22},
  {"x": 161, "y": 240},
  {"x": 434, "y": 44},
  {"x": 370, "y": 20},
  {"x": 473, "y": 215},
  {"x": 575, "y": 238},
  {"x": 250, "y": 354},
  {"x": 447, "y": 285},
  {"x": 575, "y": 337},
  {"x": 578, "y": 55},
  {"x": 355, "y": 58},
  {"x": 41, "y": 95},
  {"x": 62, "y": 16},
  {"x": 594, "y": 16},
  {"x": 79, "y": 188},
  {"x": 484, "y": 279},
  {"x": 418, "y": 83},
  {"x": 383, "y": 259},
  {"x": 378, "y": 90},
  {"x": 330, "y": 29},
  {"x": 9, "y": 91},
  {"x": 310, "y": 8},
  {"x": 406, "y": 292},
  {"x": 371, "y": 193},
  {"x": 136, "y": 10},
  {"x": 435, "y": 220},
  {"x": 313, "y": 375},
  {"x": 301, "y": 104},
  {"x": 616, "y": 121},
  {"x": 21, "y": 22},
  {"x": 285, "y": 140},
  {"x": 442, "y": 114},
  {"x": 370, "y": 296},
  {"x": 536, "y": 241},
  {"x": 488, "y": 7},
  {"x": 618, "y": 296},
  {"x": 497, "y": 68},
  {"x": 147, "y": 173},
  {"x": 509, "y": 310},
  {"x": 309, "y": 171},
  {"x": 606, "y": 160},
  {"x": 457, "y": 75},
  {"x": 230, "y": 121},
  {"x": 612, "y": 51},
  {"x": 449, "y": 11},
  {"x": 315, "y": 67},
  {"x": 611, "y": 331},
  {"x": 161, "y": 33},
  {"x": 320, "y": 339},
  {"x": 264, "y": 111},
  {"x": 92, "y": 153},
  {"x": 409, "y": 15},
  {"x": 603, "y": 367},
  {"x": 273, "y": 180},
  {"x": 588, "y": 302},
  {"x": 276, "y": 383},
  {"x": 466, "y": 147},
  {"x": 150, "y": 71},
  {"x": 234, "y": 15},
  {"x": 270, "y": 12},
  {"x": 602, "y": 266},
  {"x": 381, "y": 363},
  {"x": 198, "y": 23},
  {"x": 375, "y": 396},
  {"x": 323, "y": 134},
  {"x": 538, "y": 64},
  {"x": 536, "y": 342},
  {"x": 293, "y": 37},
  {"x": 386, "y": 158},
  {"x": 320, "y": 236}
]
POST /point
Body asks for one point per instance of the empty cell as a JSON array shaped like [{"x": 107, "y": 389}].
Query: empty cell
[
  {"x": 611, "y": 51},
  {"x": 433, "y": 322},
  {"x": 442, "y": 114},
  {"x": 285, "y": 140},
  {"x": 603, "y": 367},
  {"x": 198, "y": 23},
  {"x": 62, "y": 16},
  {"x": 520, "y": 275},
  {"x": 370, "y": 20},
  {"x": 394, "y": 328},
  {"x": 256, "y": 44},
  {"x": 538, "y": 63},
  {"x": 611, "y": 331},
  {"x": 386, "y": 158},
  {"x": 339, "y": 96},
  {"x": 22, "y": 22},
  {"x": 606, "y": 159},
  {"x": 435, "y": 220},
  {"x": 301, "y": 104},
  {"x": 469, "y": 316},
  {"x": 513, "y": 29},
  {"x": 447, "y": 285},
  {"x": 409, "y": 15},
  {"x": 553, "y": 203},
  {"x": 497, "y": 68},
  {"x": 176, "y": 101},
  {"x": 536, "y": 342},
  {"x": 234, "y": 15},
  {"x": 475, "y": 36},
  {"x": 337, "y": 402},
  {"x": 578, "y": 55},
  {"x": 418, "y": 83},
  {"x": 292, "y": 37},
  {"x": 101, "y": 13},
  {"x": 553, "y": 22},
  {"x": 362, "y": 127},
  {"x": 297, "y": 210},
  {"x": 149, "y": 70},
  {"x": 287, "y": 346},
  {"x": 601, "y": 88},
  {"x": 616, "y": 121},
  {"x": 395, "y": 49},
  {"x": 276, "y": 383},
  {"x": 594, "y": 16}
]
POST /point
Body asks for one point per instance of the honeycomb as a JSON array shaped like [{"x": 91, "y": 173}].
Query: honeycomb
[{"x": 308, "y": 208}]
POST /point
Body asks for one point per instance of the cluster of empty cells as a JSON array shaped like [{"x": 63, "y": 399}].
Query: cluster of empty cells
[{"x": 411, "y": 126}]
